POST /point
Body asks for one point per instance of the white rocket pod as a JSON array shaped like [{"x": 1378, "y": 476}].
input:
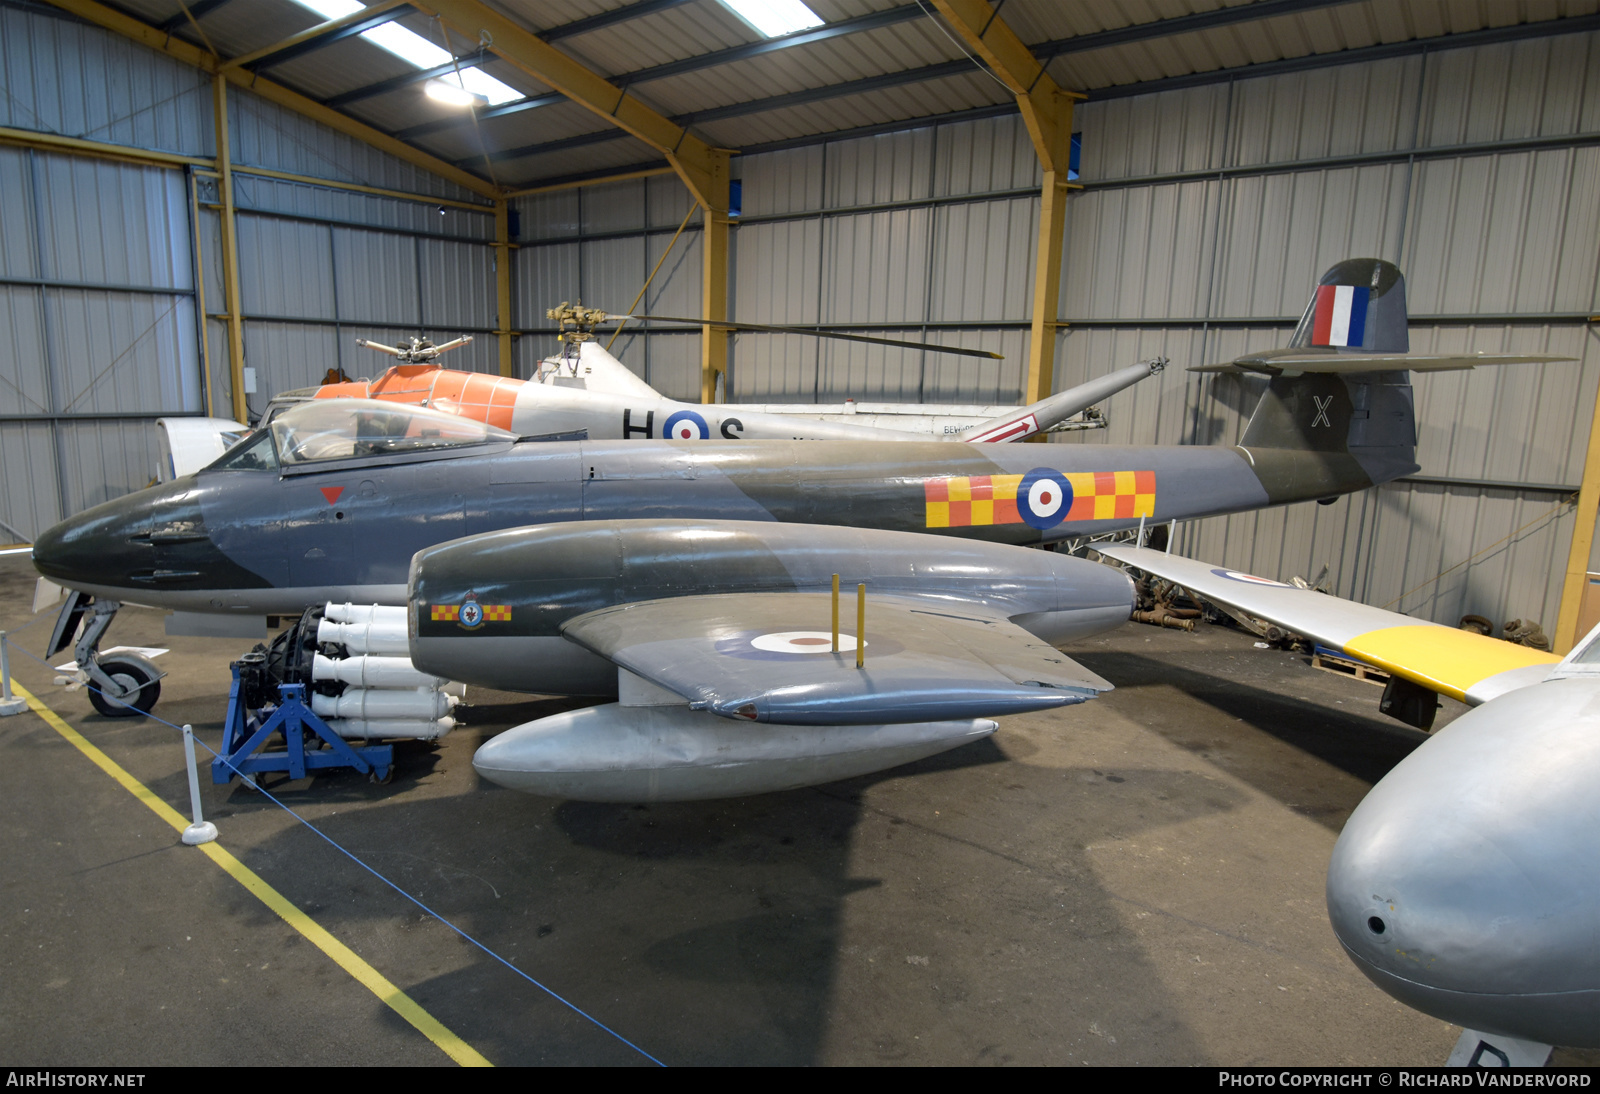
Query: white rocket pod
[
  {"x": 672, "y": 753},
  {"x": 364, "y": 613},
  {"x": 391, "y": 729},
  {"x": 373, "y": 672},
  {"x": 381, "y": 636},
  {"x": 372, "y": 703}
]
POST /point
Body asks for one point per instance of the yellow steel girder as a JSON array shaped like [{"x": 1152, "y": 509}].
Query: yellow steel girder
[
  {"x": 1047, "y": 112},
  {"x": 689, "y": 155},
  {"x": 162, "y": 42}
]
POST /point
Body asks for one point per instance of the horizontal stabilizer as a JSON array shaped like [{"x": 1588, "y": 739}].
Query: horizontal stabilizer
[
  {"x": 1461, "y": 664},
  {"x": 768, "y": 657},
  {"x": 1272, "y": 363}
]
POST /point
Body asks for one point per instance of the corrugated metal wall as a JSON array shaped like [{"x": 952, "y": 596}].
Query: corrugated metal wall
[
  {"x": 1207, "y": 216},
  {"x": 99, "y": 332},
  {"x": 1201, "y": 235},
  {"x": 100, "y": 321}
]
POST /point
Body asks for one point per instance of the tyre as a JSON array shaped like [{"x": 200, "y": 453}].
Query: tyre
[{"x": 127, "y": 673}]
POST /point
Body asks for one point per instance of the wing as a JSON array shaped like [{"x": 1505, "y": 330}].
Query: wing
[
  {"x": 769, "y": 657},
  {"x": 1471, "y": 667}
]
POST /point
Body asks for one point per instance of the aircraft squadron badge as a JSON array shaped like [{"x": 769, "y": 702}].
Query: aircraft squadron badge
[{"x": 469, "y": 615}]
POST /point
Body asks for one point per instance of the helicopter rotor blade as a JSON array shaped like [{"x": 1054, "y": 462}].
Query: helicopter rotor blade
[
  {"x": 763, "y": 328},
  {"x": 455, "y": 344},
  {"x": 392, "y": 351}
]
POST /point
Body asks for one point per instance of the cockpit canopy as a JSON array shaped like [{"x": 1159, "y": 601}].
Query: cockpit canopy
[{"x": 322, "y": 430}]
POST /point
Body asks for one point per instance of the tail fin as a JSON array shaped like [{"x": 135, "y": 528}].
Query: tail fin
[
  {"x": 1319, "y": 434},
  {"x": 1361, "y": 425},
  {"x": 1338, "y": 412},
  {"x": 1359, "y": 305}
]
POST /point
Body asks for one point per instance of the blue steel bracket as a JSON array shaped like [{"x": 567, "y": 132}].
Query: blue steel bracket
[{"x": 244, "y": 732}]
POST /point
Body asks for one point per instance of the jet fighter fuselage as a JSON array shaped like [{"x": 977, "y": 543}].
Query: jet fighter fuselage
[
  {"x": 332, "y": 500},
  {"x": 259, "y": 539}
]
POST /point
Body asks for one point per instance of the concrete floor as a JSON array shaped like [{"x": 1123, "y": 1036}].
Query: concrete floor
[{"x": 1135, "y": 880}]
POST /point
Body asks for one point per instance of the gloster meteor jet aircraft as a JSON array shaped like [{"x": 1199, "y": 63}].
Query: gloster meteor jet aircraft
[
  {"x": 1467, "y": 883},
  {"x": 333, "y": 500}
]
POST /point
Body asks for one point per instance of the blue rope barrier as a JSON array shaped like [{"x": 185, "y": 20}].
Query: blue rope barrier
[{"x": 351, "y": 856}]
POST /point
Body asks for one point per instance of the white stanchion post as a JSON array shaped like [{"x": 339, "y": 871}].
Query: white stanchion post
[
  {"x": 8, "y": 703},
  {"x": 202, "y": 830}
]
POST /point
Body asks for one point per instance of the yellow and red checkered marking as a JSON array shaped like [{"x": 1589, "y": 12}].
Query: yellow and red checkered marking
[
  {"x": 966, "y": 501},
  {"x": 963, "y": 501},
  {"x": 1112, "y": 495},
  {"x": 451, "y": 613}
]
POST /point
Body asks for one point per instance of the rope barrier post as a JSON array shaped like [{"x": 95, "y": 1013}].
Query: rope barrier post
[
  {"x": 202, "y": 830},
  {"x": 89, "y": 749},
  {"x": 8, "y": 704}
]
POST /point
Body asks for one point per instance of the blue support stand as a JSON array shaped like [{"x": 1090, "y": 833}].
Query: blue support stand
[{"x": 246, "y": 730}]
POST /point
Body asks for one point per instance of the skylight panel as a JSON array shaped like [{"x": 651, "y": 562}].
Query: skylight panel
[
  {"x": 407, "y": 46},
  {"x": 332, "y": 9},
  {"x": 417, "y": 50},
  {"x": 769, "y": 18}
]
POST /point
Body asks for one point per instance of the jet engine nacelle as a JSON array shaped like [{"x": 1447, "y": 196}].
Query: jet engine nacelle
[
  {"x": 487, "y": 610},
  {"x": 1467, "y": 883}
]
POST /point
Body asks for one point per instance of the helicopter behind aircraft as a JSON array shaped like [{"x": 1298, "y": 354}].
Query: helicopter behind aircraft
[{"x": 585, "y": 392}]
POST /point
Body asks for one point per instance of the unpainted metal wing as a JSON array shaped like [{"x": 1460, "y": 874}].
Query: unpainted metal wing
[
  {"x": 769, "y": 657},
  {"x": 1471, "y": 667}
]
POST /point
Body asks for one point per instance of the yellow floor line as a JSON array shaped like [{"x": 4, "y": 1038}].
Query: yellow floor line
[{"x": 369, "y": 977}]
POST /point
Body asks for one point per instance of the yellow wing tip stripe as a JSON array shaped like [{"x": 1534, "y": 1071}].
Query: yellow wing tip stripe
[
  {"x": 1448, "y": 660},
  {"x": 346, "y": 958}
]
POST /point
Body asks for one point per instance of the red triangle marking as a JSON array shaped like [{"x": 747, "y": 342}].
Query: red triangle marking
[{"x": 332, "y": 493}]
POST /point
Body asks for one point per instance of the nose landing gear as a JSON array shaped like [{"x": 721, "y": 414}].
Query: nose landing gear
[{"x": 122, "y": 686}]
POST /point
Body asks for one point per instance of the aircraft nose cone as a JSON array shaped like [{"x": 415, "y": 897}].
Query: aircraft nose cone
[
  {"x": 97, "y": 546},
  {"x": 1466, "y": 884}
]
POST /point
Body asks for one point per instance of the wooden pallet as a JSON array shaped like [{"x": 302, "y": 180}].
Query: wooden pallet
[{"x": 1331, "y": 661}]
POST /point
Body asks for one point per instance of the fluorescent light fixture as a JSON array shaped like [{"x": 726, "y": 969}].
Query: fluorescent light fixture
[
  {"x": 770, "y": 18},
  {"x": 416, "y": 50},
  {"x": 446, "y": 90}
]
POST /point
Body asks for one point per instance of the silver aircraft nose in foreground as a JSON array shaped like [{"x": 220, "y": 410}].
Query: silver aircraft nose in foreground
[{"x": 1467, "y": 883}]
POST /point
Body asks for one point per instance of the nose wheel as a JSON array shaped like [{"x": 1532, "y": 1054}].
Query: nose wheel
[{"x": 137, "y": 682}]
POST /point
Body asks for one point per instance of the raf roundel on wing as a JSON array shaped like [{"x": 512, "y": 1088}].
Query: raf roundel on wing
[{"x": 1250, "y": 579}]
